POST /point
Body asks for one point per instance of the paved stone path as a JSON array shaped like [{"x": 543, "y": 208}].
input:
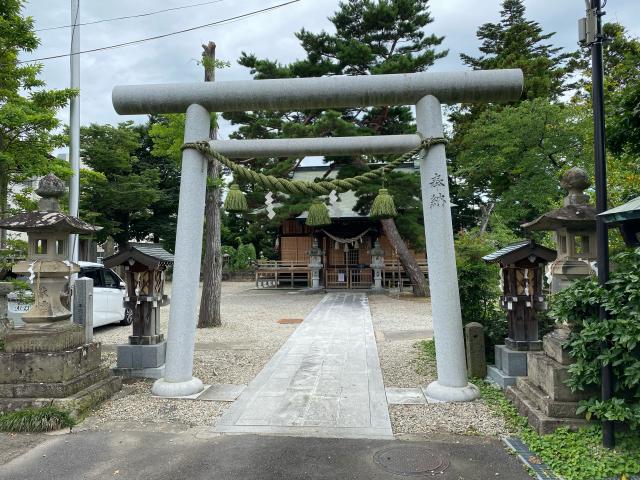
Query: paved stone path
[{"x": 325, "y": 381}]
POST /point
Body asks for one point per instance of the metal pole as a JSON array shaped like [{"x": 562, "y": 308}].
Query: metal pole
[
  {"x": 597, "y": 95},
  {"x": 452, "y": 384},
  {"x": 74, "y": 126}
]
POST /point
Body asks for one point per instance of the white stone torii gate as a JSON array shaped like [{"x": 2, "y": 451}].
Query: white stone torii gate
[{"x": 424, "y": 90}]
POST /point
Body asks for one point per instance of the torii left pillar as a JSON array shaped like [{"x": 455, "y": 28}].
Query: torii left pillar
[{"x": 178, "y": 378}]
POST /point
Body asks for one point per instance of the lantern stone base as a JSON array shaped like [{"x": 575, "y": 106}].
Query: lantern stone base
[
  {"x": 44, "y": 337},
  {"x": 510, "y": 364},
  {"x": 72, "y": 379},
  {"x": 143, "y": 361},
  {"x": 543, "y": 396}
]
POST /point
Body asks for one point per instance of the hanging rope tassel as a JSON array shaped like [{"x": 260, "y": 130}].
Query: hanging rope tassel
[
  {"x": 235, "y": 201},
  {"x": 318, "y": 215},
  {"x": 383, "y": 205}
]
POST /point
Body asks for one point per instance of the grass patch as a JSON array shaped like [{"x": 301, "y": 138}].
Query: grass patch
[
  {"x": 42, "y": 419},
  {"x": 426, "y": 362},
  {"x": 571, "y": 455}
]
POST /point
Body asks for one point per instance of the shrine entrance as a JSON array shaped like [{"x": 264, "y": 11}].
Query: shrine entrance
[{"x": 424, "y": 90}]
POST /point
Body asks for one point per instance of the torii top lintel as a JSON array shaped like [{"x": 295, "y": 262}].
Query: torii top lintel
[{"x": 323, "y": 92}]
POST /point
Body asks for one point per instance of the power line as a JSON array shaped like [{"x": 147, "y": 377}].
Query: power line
[
  {"x": 113, "y": 19},
  {"x": 156, "y": 37}
]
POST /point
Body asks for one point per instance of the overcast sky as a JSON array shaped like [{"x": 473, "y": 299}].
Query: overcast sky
[{"x": 271, "y": 35}]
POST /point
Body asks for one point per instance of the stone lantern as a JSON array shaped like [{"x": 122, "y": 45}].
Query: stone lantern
[
  {"x": 574, "y": 229},
  {"x": 315, "y": 264},
  {"x": 47, "y": 361},
  {"x": 377, "y": 264},
  {"x": 48, "y": 270}
]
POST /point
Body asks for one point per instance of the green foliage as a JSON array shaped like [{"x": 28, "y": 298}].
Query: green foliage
[
  {"x": 28, "y": 112},
  {"x": 578, "y": 306},
  {"x": 580, "y": 455},
  {"x": 42, "y": 419},
  {"x": 505, "y": 154},
  {"x": 14, "y": 251},
  {"x": 241, "y": 258},
  {"x": 121, "y": 191},
  {"x": 478, "y": 283},
  {"x": 515, "y": 42}
]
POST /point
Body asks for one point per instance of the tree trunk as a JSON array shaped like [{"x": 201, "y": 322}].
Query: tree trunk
[
  {"x": 408, "y": 261},
  {"x": 212, "y": 269},
  {"x": 4, "y": 202}
]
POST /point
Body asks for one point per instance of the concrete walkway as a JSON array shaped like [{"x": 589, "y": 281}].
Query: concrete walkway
[{"x": 325, "y": 381}]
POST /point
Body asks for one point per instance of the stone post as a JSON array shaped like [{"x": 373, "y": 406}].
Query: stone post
[
  {"x": 474, "y": 343},
  {"x": 315, "y": 264},
  {"x": 377, "y": 264},
  {"x": 178, "y": 379},
  {"x": 452, "y": 384},
  {"x": 83, "y": 306}
]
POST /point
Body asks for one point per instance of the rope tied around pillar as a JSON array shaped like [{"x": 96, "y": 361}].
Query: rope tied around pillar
[{"x": 301, "y": 187}]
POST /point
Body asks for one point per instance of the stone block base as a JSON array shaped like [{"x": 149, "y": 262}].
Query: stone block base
[
  {"x": 544, "y": 403},
  {"x": 141, "y": 356},
  {"x": 552, "y": 345},
  {"x": 54, "y": 389},
  {"x": 75, "y": 404},
  {"x": 155, "y": 372},
  {"x": 45, "y": 337},
  {"x": 551, "y": 376},
  {"x": 497, "y": 376},
  {"x": 540, "y": 422},
  {"x": 48, "y": 367},
  {"x": 512, "y": 362}
]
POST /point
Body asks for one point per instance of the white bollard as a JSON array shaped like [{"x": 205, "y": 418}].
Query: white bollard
[
  {"x": 452, "y": 384},
  {"x": 178, "y": 380}
]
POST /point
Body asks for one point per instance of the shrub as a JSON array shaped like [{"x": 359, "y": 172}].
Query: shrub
[
  {"x": 578, "y": 306},
  {"x": 35, "y": 420},
  {"x": 478, "y": 283}
]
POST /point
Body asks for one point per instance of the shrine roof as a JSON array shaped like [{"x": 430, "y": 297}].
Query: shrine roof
[
  {"x": 622, "y": 213},
  {"x": 47, "y": 221},
  {"x": 151, "y": 255},
  {"x": 519, "y": 251}
]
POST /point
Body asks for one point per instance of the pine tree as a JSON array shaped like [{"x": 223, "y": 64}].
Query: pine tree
[{"x": 372, "y": 37}]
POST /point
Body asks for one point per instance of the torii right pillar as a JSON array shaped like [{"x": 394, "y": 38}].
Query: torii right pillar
[{"x": 452, "y": 384}]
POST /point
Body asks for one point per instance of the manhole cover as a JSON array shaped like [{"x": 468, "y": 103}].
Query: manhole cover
[
  {"x": 410, "y": 460},
  {"x": 286, "y": 321}
]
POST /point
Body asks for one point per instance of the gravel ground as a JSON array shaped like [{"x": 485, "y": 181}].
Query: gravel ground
[
  {"x": 249, "y": 338},
  {"x": 399, "y": 360},
  {"x": 232, "y": 354}
]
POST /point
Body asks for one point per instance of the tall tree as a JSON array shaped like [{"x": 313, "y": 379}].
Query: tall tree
[
  {"x": 209, "y": 315},
  {"x": 513, "y": 42},
  {"x": 371, "y": 37},
  {"x": 27, "y": 111},
  {"x": 512, "y": 158},
  {"x": 117, "y": 192}
]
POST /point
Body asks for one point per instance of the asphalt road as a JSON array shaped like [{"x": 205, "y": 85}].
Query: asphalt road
[{"x": 157, "y": 456}]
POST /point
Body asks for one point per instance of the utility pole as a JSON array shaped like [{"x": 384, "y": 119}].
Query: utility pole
[
  {"x": 74, "y": 126},
  {"x": 590, "y": 32}
]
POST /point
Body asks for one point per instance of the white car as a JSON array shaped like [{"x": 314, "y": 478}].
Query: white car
[{"x": 108, "y": 297}]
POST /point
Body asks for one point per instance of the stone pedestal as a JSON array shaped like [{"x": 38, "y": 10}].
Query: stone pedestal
[
  {"x": 143, "y": 361},
  {"x": 510, "y": 364},
  {"x": 49, "y": 364},
  {"x": 543, "y": 396}
]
